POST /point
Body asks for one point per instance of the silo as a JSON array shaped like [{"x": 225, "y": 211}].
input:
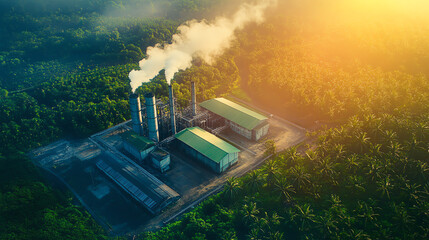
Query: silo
[
  {"x": 136, "y": 117},
  {"x": 172, "y": 112},
  {"x": 152, "y": 120}
]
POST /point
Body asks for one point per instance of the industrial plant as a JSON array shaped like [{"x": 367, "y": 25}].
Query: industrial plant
[
  {"x": 166, "y": 159},
  {"x": 157, "y": 128}
]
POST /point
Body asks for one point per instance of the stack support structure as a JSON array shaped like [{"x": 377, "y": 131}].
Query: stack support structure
[
  {"x": 152, "y": 119},
  {"x": 194, "y": 99},
  {"x": 172, "y": 112},
  {"x": 136, "y": 117}
]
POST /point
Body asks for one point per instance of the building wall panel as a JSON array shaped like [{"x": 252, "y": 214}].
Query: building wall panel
[
  {"x": 224, "y": 164},
  {"x": 240, "y": 130},
  {"x": 261, "y": 132}
]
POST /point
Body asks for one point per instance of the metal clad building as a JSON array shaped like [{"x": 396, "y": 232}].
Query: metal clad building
[
  {"x": 136, "y": 145},
  {"x": 241, "y": 120},
  {"x": 146, "y": 189},
  {"x": 207, "y": 148},
  {"x": 160, "y": 160}
]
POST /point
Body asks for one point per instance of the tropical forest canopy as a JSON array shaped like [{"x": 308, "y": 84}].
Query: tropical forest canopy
[{"x": 359, "y": 67}]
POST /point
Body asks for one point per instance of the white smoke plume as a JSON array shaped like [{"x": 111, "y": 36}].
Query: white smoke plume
[{"x": 196, "y": 39}]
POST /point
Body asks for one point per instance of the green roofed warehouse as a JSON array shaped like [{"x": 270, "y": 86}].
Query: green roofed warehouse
[
  {"x": 207, "y": 148},
  {"x": 241, "y": 120}
]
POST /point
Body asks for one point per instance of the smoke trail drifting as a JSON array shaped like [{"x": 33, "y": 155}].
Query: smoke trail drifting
[{"x": 196, "y": 39}]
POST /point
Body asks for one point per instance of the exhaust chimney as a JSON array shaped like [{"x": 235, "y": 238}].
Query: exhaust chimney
[
  {"x": 136, "y": 117},
  {"x": 172, "y": 112},
  {"x": 152, "y": 119},
  {"x": 194, "y": 99}
]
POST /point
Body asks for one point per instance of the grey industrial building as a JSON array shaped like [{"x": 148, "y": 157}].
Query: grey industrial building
[
  {"x": 146, "y": 189},
  {"x": 207, "y": 148},
  {"x": 241, "y": 120}
]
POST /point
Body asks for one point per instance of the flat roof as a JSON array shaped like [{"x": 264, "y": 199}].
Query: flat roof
[
  {"x": 159, "y": 154},
  {"x": 234, "y": 112},
  {"x": 139, "y": 142},
  {"x": 206, "y": 143},
  {"x": 141, "y": 185}
]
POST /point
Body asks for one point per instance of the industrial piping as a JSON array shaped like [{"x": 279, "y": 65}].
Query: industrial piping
[
  {"x": 194, "y": 99},
  {"x": 136, "y": 117},
  {"x": 152, "y": 119},
  {"x": 172, "y": 112}
]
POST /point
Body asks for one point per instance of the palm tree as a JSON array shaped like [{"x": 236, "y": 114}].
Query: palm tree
[
  {"x": 352, "y": 163},
  {"x": 402, "y": 218},
  {"x": 253, "y": 181},
  {"x": 254, "y": 234},
  {"x": 275, "y": 236},
  {"x": 412, "y": 191},
  {"x": 305, "y": 216},
  {"x": 395, "y": 149},
  {"x": 284, "y": 189},
  {"x": 384, "y": 186},
  {"x": 374, "y": 149},
  {"x": 416, "y": 149},
  {"x": 292, "y": 155},
  {"x": 366, "y": 213},
  {"x": 327, "y": 224},
  {"x": 270, "y": 169},
  {"x": 326, "y": 168},
  {"x": 389, "y": 137},
  {"x": 231, "y": 188},
  {"x": 299, "y": 176},
  {"x": 230, "y": 235},
  {"x": 362, "y": 141},
  {"x": 373, "y": 170},
  {"x": 357, "y": 235},
  {"x": 356, "y": 184},
  {"x": 338, "y": 211},
  {"x": 338, "y": 151},
  {"x": 354, "y": 123},
  {"x": 267, "y": 224},
  {"x": 312, "y": 155},
  {"x": 423, "y": 169},
  {"x": 250, "y": 213},
  {"x": 377, "y": 130}
]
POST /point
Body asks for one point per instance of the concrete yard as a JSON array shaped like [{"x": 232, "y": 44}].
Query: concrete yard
[{"x": 73, "y": 163}]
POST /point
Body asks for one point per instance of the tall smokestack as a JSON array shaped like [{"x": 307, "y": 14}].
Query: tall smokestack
[
  {"x": 152, "y": 119},
  {"x": 194, "y": 99},
  {"x": 172, "y": 112},
  {"x": 136, "y": 117}
]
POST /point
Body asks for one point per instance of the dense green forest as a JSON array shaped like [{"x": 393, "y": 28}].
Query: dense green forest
[
  {"x": 323, "y": 61},
  {"x": 367, "y": 179},
  {"x": 53, "y": 38},
  {"x": 64, "y": 74},
  {"x": 364, "y": 178}
]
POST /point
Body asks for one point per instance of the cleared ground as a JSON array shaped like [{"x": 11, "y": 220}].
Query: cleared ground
[{"x": 74, "y": 165}]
